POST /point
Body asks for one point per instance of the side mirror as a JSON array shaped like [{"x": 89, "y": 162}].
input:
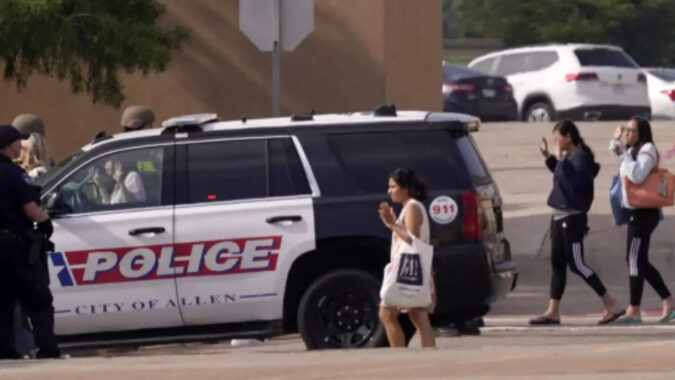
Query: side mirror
[{"x": 55, "y": 206}]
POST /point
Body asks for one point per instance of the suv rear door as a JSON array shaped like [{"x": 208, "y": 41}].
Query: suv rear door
[
  {"x": 490, "y": 200},
  {"x": 244, "y": 214},
  {"x": 521, "y": 70}
]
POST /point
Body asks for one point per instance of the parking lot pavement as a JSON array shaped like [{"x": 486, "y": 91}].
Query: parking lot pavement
[{"x": 507, "y": 348}]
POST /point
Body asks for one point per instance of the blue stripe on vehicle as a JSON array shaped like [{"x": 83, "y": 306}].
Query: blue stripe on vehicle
[{"x": 63, "y": 274}]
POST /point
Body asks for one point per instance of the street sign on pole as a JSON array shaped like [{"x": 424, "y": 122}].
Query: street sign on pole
[
  {"x": 276, "y": 26},
  {"x": 297, "y": 22}
]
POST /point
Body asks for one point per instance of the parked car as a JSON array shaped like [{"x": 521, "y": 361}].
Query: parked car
[
  {"x": 255, "y": 228},
  {"x": 468, "y": 91},
  {"x": 570, "y": 81},
  {"x": 661, "y": 83}
]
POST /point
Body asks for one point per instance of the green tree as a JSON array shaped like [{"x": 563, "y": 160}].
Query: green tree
[
  {"x": 88, "y": 42},
  {"x": 449, "y": 20},
  {"x": 644, "y": 28}
]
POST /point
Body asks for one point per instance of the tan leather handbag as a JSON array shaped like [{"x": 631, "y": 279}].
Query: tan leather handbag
[{"x": 654, "y": 192}]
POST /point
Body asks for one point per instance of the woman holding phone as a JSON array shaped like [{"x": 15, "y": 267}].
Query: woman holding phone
[{"x": 634, "y": 145}]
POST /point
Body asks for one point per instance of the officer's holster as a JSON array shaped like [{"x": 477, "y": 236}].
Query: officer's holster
[{"x": 38, "y": 246}]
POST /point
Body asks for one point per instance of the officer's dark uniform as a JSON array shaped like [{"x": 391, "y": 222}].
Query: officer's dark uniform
[{"x": 21, "y": 279}]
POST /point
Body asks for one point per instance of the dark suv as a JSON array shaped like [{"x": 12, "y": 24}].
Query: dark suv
[{"x": 255, "y": 228}]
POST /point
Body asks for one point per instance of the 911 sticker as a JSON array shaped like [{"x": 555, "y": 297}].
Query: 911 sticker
[
  {"x": 114, "y": 265},
  {"x": 443, "y": 209}
]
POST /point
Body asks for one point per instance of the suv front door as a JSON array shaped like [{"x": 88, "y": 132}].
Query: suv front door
[
  {"x": 110, "y": 270},
  {"x": 245, "y": 214}
]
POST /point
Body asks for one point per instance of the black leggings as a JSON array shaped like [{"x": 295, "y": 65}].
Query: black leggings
[
  {"x": 641, "y": 224},
  {"x": 567, "y": 248}
]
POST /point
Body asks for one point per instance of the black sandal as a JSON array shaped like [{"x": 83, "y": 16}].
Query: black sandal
[
  {"x": 544, "y": 320},
  {"x": 611, "y": 318}
]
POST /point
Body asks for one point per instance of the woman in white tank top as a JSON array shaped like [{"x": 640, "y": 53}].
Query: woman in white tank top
[{"x": 405, "y": 188}]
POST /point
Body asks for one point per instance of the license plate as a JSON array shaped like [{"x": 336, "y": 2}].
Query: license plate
[{"x": 489, "y": 93}]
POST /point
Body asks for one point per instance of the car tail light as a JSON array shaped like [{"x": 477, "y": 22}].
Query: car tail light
[
  {"x": 670, "y": 94},
  {"x": 508, "y": 88},
  {"x": 473, "y": 231},
  {"x": 450, "y": 87},
  {"x": 642, "y": 78},
  {"x": 581, "y": 77}
]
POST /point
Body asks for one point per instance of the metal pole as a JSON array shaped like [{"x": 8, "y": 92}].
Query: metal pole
[{"x": 276, "y": 60}]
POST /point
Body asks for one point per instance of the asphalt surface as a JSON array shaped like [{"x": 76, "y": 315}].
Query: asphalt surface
[{"x": 507, "y": 347}]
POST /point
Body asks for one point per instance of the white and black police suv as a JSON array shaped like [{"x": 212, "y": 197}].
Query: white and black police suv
[{"x": 206, "y": 229}]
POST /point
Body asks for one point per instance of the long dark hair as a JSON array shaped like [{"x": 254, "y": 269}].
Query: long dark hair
[
  {"x": 644, "y": 135},
  {"x": 407, "y": 179},
  {"x": 568, "y": 128}
]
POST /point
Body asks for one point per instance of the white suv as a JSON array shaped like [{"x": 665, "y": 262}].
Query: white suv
[{"x": 570, "y": 81}]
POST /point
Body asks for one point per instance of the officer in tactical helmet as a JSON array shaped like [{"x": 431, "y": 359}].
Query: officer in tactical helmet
[{"x": 135, "y": 118}]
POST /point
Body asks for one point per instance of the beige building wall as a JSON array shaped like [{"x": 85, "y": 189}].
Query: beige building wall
[{"x": 362, "y": 53}]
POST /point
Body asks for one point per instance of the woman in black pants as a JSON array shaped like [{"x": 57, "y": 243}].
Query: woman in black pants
[
  {"x": 574, "y": 170},
  {"x": 638, "y": 158}
]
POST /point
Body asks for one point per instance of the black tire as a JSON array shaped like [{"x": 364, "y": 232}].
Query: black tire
[
  {"x": 540, "y": 112},
  {"x": 340, "y": 310}
]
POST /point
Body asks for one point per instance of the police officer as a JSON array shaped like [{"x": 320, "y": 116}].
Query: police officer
[
  {"x": 29, "y": 123},
  {"x": 135, "y": 118},
  {"x": 21, "y": 278}
]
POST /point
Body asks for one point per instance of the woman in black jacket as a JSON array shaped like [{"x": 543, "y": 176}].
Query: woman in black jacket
[{"x": 574, "y": 170}]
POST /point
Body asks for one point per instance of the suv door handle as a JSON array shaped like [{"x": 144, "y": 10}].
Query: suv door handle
[
  {"x": 147, "y": 230},
  {"x": 286, "y": 218}
]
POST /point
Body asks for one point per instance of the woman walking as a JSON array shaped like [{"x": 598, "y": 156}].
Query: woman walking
[
  {"x": 406, "y": 189},
  {"x": 574, "y": 170},
  {"x": 639, "y": 157}
]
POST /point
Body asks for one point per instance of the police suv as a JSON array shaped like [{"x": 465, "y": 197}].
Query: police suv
[{"x": 206, "y": 229}]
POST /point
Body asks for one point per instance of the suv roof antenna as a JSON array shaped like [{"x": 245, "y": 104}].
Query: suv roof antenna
[{"x": 385, "y": 110}]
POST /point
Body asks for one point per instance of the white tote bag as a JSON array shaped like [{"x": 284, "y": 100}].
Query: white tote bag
[{"x": 407, "y": 278}]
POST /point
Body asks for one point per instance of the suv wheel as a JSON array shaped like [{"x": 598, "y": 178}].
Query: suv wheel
[
  {"x": 340, "y": 310},
  {"x": 539, "y": 112}
]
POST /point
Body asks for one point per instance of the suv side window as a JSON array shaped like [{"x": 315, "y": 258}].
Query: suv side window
[
  {"x": 512, "y": 64},
  {"x": 540, "y": 60},
  {"x": 244, "y": 169},
  {"x": 485, "y": 66},
  {"x": 123, "y": 180},
  {"x": 367, "y": 159},
  {"x": 286, "y": 173}
]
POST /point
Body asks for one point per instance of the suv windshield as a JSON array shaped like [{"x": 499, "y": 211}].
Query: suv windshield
[
  {"x": 604, "y": 57},
  {"x": 56, "y": 170},
  {"x": 665, "y": 74}
]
